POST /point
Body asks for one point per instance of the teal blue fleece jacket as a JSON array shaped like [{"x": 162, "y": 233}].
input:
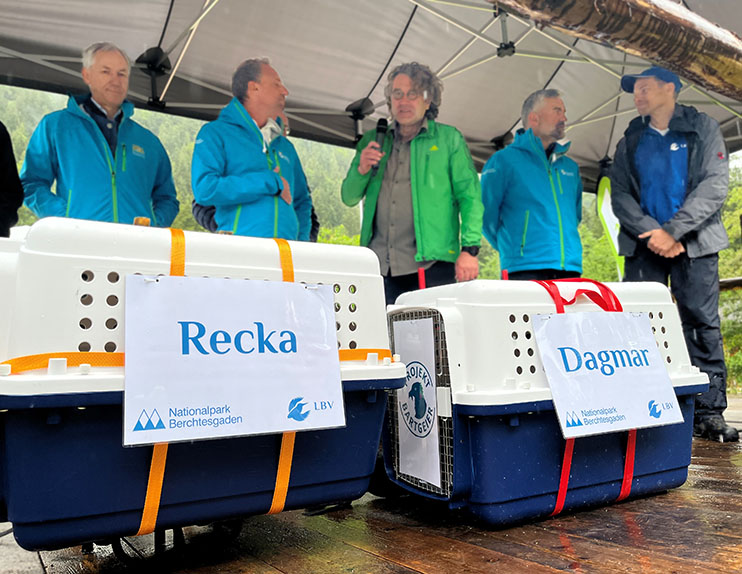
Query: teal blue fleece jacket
[
  {"x": 532, "y": 206},
  {"x": 93, "y": 183},
  {"x": 233, "y": 170}
]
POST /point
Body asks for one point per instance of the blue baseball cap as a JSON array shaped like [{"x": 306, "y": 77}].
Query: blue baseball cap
[{"x": 628, "y": 81}]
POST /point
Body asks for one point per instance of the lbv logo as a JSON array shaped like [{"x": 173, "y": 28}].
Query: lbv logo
[
  {"x": 654, "y": 410},
  {"x": 296, "y": 409}
]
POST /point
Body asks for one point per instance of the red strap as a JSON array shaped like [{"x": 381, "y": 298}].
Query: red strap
[
  {"x": 420, "y": 278},
  {"x": 606, "y": 299},
  {"x": 505, "y": 276},
  {"x": 628, "y": 467},
  {"x": 564, "y": 478}
]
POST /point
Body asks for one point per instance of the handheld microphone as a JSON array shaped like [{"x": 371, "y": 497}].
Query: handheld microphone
[{"x": 381, "y": 127}]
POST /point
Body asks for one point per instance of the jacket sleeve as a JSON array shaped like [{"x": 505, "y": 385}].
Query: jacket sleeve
[
  {"x": 204, "y": 215},
  {"x": 354, "y": 185},
  {"x": 165, "y": 202},
  {"x": 39, "y": 171},
  {"x": 494, "y": 183},
  {"x": 708, "y": 196},
  {"x": 467, "y": 192},
  {"x": 212, "y": 185},
  {"x": 11, "y": 191},
  {"x": 302, "y": 201},
  {"x": 625, "y": 205}
]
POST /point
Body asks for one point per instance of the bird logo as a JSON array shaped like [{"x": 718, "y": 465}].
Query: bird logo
[{"x": 296, "y": 408}]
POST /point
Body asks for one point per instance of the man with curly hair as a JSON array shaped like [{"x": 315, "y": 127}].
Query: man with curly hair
[{"x": 423, "y": 204}]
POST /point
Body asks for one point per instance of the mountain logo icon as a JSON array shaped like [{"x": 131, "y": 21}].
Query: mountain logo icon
[
  {"x": 573, "y": 420},
  {"x": 150, "y": 421}
]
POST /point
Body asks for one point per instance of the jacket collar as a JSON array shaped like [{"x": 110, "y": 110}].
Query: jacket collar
[
  {"x": 428, "y": 129},
  {"x": 527, "y": 141},
  {"x": 74, "y": 105},
  {"x": 682, "y": 120}
]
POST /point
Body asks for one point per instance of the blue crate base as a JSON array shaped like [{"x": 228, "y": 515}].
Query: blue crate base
[
  {"x": 67, "y": 479},
  {"x": 508, "y": 463}
]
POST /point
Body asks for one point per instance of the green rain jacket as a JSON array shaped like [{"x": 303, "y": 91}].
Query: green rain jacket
[{"x": 446, "y": 197}]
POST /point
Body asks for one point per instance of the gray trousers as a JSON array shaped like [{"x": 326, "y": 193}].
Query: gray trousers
[{"x": 695, "y": 285}]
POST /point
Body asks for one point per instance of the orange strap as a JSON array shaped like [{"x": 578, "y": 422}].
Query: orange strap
[
  {"x": 154, "y": 489},
  {"x": 286, "y": 456},
  {"x": 159, "y": 450},
  {"x": 41, "y": 361},
  {"x": 360, "y": 354}
]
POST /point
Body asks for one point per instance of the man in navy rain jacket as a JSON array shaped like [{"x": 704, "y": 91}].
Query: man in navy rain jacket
[
  {"x": 669, "y": 180},
  {"x": 532, "y": 194},
  {"x": 245, "y": 167},
  {"x": 107, "y": 167}
]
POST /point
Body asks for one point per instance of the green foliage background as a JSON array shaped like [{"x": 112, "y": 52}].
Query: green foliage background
[{"x": 325, "y": 167}]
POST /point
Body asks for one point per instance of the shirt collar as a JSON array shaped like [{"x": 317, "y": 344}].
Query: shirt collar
[{"x": 97, "y": 109}]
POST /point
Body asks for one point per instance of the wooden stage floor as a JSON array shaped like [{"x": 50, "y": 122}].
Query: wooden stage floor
[{"x": 696, "y": 528}]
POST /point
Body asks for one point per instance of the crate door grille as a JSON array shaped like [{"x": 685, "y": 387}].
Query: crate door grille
[{"x": 445, "y": 424}]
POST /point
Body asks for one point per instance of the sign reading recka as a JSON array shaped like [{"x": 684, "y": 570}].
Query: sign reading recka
[{"x": 245, "y": 341}]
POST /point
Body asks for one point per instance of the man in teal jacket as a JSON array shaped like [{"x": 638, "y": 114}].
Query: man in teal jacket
[
  {"x": 532, "y": 194},
  {"x": 423, "y": 201},
  {"x": 244, "y": 166},
  {"x": 107, "y": 167}
]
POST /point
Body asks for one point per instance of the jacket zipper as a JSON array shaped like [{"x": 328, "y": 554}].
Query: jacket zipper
[
  {"x": 525, "y": 230},
  {"x": 559, "y": 217},
  {"x": 69, "y": 203},
  {"x": 548, "y": 165},
  {"x": 236, "y": 219},
  {"x": 275, "y": 216}
]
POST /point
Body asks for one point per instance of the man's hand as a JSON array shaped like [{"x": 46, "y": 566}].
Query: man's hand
[
  {"x": 662, "y": 243},
  {"x": 370, "y": 156},
  {"x": 467, "y": 267},
  {"x": 286, "y": 191}
]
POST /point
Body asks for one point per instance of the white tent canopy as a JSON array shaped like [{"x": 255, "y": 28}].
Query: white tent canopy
[{"x": 331, "y": 53}]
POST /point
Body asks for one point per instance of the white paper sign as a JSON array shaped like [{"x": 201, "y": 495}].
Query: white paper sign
[
  {"x": 417, "y": 424},
  {"x": 605, "y": 372},
  {"x": 210, "y": 358}
]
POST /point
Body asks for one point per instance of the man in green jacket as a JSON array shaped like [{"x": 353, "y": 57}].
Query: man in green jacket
[{"x": 423, "y": 204}]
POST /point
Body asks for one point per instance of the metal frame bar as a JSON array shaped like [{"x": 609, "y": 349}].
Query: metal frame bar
[
  {"x": 192, "y": 33},
  {"x": 466, "y": 46}
]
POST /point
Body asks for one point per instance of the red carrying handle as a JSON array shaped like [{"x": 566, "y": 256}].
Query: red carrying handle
[{"x": 604, "y": 298}]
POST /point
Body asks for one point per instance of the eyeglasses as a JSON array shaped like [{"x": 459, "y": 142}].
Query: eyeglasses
[{"x": 412, "y": 95}]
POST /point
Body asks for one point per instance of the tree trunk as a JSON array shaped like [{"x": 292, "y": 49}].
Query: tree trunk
[{"x": 656, "y": 30}]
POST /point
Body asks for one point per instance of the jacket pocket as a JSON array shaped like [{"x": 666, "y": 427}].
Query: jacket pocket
[{"x": 525, "y": 231}]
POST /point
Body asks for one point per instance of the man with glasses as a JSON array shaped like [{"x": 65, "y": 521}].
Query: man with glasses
[
  {"x": 669, "y": 180},
  {"x": 532, "y": 195},
  {"x": 245, "y": 167},
  {"x": 422, "y": 194}
]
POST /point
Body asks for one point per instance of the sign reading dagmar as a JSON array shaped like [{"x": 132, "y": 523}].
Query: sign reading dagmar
[
  {"x": 605, "y": 372},
  {"x": 208, "y": 358}
]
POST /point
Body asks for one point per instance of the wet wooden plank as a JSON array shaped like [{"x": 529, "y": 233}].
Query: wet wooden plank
[
  {"x": 601, "y": 540},
  {"x": 420, "y": 549},
  {"x": 696, "y": 528}
]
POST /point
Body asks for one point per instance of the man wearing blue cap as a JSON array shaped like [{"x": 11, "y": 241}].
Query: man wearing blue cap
[{"x": 668, "y": 183}]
